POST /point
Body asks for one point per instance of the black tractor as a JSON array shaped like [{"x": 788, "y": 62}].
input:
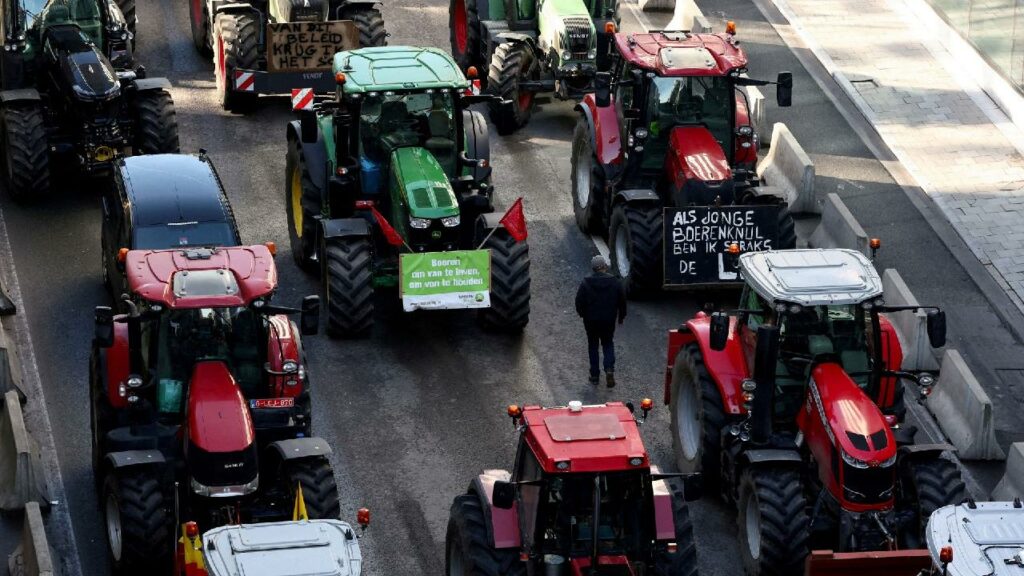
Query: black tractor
[{"x": 71, "y": 93}]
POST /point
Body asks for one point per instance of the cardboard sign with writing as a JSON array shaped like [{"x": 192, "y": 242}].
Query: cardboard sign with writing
[
  {"x": 302, "y": 46},
  {"x": 697, "y": 238}
]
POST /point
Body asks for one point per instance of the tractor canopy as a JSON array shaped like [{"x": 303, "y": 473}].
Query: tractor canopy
[
  {"x": 283, "y": 549},
  {"x": 601, "y": 438},
  {"x": 812, "y": 277},
  {"x": 682, "y": 53},
  {"x": 395, "y": 68}
]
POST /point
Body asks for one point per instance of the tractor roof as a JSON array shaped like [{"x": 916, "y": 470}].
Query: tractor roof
[
  {"x": 986, "y": 537},
  {"x": 397, "y": 68},
  {"x": 202, "y": 277},
  {"x": 682, "y": 53},
  {"x": 328, "y": 547},
  {"x": 170, "y": 188},
  {"x": 812, "y": 277},
  {"x": 601, "y": 438}
]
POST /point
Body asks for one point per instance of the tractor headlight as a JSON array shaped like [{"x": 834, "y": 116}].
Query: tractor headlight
[
  {"x": 419, "y": 223},
  {"x": 289, "y": 367},
  {"x": 641, "y": 133},
  {"x": 795, "y": 308},
  {"x": 636, "y": 461},
  {"x": 853, "y": 461},
  {"x": 592, "y": 53},
  {"x": 744, "y": 130},
  {"x": 134, "y": 382},
  {"x": 566, "y": 55},
  {"x": 451, "y": 221}
]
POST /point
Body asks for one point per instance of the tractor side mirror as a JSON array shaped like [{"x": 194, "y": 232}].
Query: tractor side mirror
[
  {"x": 104, "y": 331},
  {"x": 784, "y": 89},
  {"x": 719, "y": 331},
  {"x": 693, "y": 487},
  {"x": 307, "y": 126},
  {"x": 309, "y": 319},
  {"x": 603, "y": 89},
  {"x": 504, "y": 495},
  {"x": 936, "y": 328}
]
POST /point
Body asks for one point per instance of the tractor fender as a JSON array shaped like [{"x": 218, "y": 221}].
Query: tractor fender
[
  {"x": 117, "y": 460},
  {"x": 605, "y": 136},
  {"x": 345, "y": 227},
  {"x": 231, "y": 8},
  {"x": 502, "y": 525},
  {"x": 514, "y": 37},
  {"x": 779, "y": 456},
  {"x": 478, "y": 142},
  {"x": 284, "y": 344},
  {"x": 296, "y": 448},
  {"x": 727, "y": 368},
  {"x": 635, "y": 195},
  {"x": 315, "y": 154},
  {"x": 19, "y": 95},
  {"x": 490, "y": 221},
  {"x": 664, "y": 520},
  {"x": 115, "y": 364},
  {"x": 923, "y": 451},
  {"x": 148, "y": 84}
]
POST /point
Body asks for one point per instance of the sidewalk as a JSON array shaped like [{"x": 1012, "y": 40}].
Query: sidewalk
[{"x": 947, "y": 138}]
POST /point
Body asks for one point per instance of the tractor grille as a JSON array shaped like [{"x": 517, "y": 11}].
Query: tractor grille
[
  {"x": 868, "y": 485},
  {"x": 577, "y": 33}
]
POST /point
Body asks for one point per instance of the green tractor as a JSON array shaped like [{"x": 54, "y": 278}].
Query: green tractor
[
  {"x": 388, "y": 185},
  {"x": 532, "y": 46}
]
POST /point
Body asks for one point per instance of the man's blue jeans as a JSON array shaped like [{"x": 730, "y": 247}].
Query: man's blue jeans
[{"x": 601, "y": 336}]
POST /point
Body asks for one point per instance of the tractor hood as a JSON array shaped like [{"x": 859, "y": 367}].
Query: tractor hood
[
  {"x": 851, "y": 419},
  {"x": 82, "y": 67},
  {"x": 699, "y": 154},
  {"x": 420, "y": 183},
  {"x": 221, "y": 451}
]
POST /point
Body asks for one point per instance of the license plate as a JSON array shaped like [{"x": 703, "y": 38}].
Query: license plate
[{"x": 272, "y": 403}]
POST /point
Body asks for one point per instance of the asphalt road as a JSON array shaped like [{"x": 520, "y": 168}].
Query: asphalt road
[{"x": 414, "y": 412}]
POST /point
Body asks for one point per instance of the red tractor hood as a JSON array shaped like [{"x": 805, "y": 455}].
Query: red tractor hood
[
  {"x": 218, "y": 416},
  {"x": 853, "y": 421},
  {"x": 699, "y": 155}
]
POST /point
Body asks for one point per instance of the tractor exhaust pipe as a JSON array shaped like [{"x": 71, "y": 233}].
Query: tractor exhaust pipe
[{"x": 765, "y": 358}]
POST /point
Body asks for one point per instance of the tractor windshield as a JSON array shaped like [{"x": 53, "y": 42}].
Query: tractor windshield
[
  {"x": 690, "y": 100},
  {"x": 393, "y": 120}
]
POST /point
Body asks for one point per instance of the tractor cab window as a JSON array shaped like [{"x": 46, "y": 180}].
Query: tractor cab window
[
  {"x": 31, "y": 11},
  {"x": 687, "y": 101},
  {"x": 392, "y": 120},
  {"x": 575, "y": 506},
  {"x": 179, "y": 234}
]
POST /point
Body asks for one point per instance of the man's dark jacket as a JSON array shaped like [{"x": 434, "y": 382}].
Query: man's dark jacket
[{"x": 601, "y": 300}]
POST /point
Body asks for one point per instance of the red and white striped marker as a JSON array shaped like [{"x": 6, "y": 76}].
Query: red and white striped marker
[
  {"x": 474, "y": 88},
  {"x": 245, "y": 81},
  {"x": 302, "y": 98}
]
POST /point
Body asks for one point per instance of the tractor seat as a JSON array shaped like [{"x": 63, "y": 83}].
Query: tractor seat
[
  {"x": 394, "y": 127},
  {"x": 819, "y": 344},
  {"x": 56, "y": 14},
  {"x": 439, "y": 143}
]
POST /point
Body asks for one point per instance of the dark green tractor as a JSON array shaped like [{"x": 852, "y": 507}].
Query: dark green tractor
[
  {"x": 71, "y": 94},
  {"x": 393, "y": 173}
]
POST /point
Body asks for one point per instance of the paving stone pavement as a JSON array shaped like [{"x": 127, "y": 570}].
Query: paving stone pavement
[{"x": 946, "y": 140}]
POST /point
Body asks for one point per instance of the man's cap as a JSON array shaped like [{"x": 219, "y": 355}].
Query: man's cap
[{"x": 598, "y": 263}]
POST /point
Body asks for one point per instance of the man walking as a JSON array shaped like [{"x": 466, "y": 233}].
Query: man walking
[{"x": 600, "y": 301}]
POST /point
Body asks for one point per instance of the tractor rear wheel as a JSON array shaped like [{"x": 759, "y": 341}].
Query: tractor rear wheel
[
  {"x": 772, "y": 522},
  {"x": 300, "y": 193},
  {"x": 697, "y": 417},
  {"x": 236, "y": 47},
  {"x": 682, "y": 562},
  {"x": 464, "y": 24},
  {"x": 635, "y": 240},
  {"x": 140, "y": 528},
  {"x": 510, "y": 283},
  {"x": 348, "y": 284},
  {"x": 26, "y": 152},
  {"x": 467, "y": 550},
  {"x": 156, "y": 124},
  {"x": 585, "y": 180},
  {"x": 200, "y": 24},
  {"x": 319, "y": 488},
  {"x": 370, "y": 24},
  {"x": 787, "y": 230},
  {"x": 925, "y": 486},
  {"x": 511, "y": 63}
]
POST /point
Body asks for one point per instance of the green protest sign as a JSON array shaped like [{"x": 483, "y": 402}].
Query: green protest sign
[{"x": 446, "y": 280}]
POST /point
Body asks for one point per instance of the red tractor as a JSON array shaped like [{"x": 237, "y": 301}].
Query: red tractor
[
  {"x": 667, "y": 140},
  {"x": 200, "y": 402},
  {"x": 793, "y": 406},
  {"x": 583, "y": 500}
]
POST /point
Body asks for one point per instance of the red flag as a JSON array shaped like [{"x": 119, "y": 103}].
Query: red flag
[
  {"x": 515, "y": 222},
  {"x": 392, "y": 235}
]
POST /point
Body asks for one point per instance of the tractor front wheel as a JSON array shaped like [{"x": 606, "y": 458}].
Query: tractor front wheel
[
  {"x": 370, "y": 24},
  {"x": 585, "y": 180},
  {"x": 635, "y": 241},
  {"x": 510, "y": 282},
  {"x": 300, "y": 193},
  {"x": 697, "y": 418},
  {"x": 348, "y": 279},
  {"x": 26, "y": 151},
  {"x": 319, "y": 489},
  {"x": 236, "y": 47},
  {"x": 156, "y": 124},
  {"x": 467, "y": 549},
  {"x": 511, "y": 63},
  {"x": 772, "y": 522},
  {"x": 140, "y": 528},
  {"x": 464, "y": 24},
  {"x": 682, "y": 562},
  {"x": 200, "y": 24},
  {"x": 925, "y": 486}
]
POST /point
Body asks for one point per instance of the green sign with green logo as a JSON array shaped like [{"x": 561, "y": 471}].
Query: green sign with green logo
[{"x": 446, "y": 280}]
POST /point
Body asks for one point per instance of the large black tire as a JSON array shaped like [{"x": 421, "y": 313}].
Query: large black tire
[
  {"x": 682, "y": 562},
  {"x": 202, "y": 37},
  {"x": 635, "y": 242},
  {"x": 26, "y": 152},
  {"x": 301, "y": 195},
  {"x": 467, "y": 550},
  {"x": 772, "y": 522},
  {"x": 510, "y": 283},
  {"x": 511, "y": 63},
  {"x": 236, "y": 46},
  {"x": 319, "y": 489},
  {"x": 697, "y": 417},
  {"x": 139, "y": 522},
  {"x": 102, "y": 417},
  {"x": 787, "y": 230},
  {"x": 925, "y": 486},
  {"x": 586, "y": 176},
  {"x": 370, "y": 24},
  {"x": 348, "y": 284},
  {"x": 464, "y": 29},
  {"x": 156, "y": 123}
]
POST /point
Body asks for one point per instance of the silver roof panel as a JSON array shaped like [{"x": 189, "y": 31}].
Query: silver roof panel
[
  {"x": 818, "y": 277},
  {"x": 982, "y": 538},
  {"x": 304, "y": 548}
]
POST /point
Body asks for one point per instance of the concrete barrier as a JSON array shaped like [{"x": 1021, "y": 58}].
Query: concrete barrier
[
  {"x": 757, "y": 110},
  {"x": 7, "y": 307},
  {"x": 1012, "y": 484},
  {"x": 912, "y": 327},
  {"x": 964, "y": 411},
  {"x": 686, "y": 16},
  {"x": 21, "y": 477},
  {"x": 787, "y": 166},
  {"x": 657, "y": 5},
  {"x": 33, "y": 556},
  {"x": 838, "y": 228}
]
